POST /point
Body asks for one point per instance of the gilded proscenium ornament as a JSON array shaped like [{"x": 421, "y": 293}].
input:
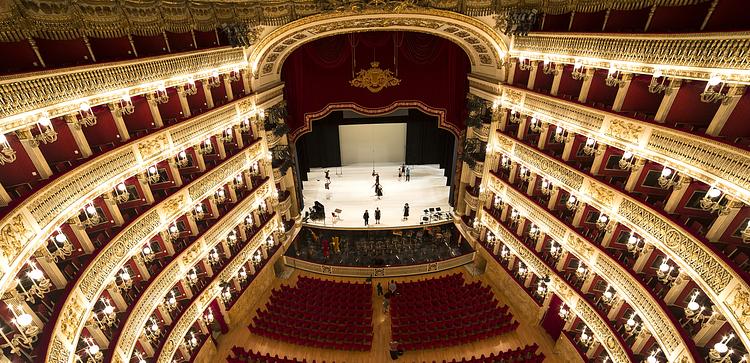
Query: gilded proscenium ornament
[{"x": 375, "y": 78}]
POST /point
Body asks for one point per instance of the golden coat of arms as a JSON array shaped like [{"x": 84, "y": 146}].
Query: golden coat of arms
[{"x": 374, "y": 79}]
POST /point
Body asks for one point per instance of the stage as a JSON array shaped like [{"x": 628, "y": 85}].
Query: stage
[{"x": 352, "y": 190}]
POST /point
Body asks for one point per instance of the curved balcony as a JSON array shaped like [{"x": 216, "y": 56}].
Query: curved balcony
[
  {"x": 59, "y": 92},
  {"x": 709, "y": 268},
  {"x": 482, "y": 132},
  {"x": 655, "y": 314},
  {"x": 24, "y": 229},
  {"x": 70, "y": 318},
  {"x": 612, "y": 341},
  {"x": 472, "y": 197},
  {"x": 175, "y": 271},
  {"x": 711, "y": 161}
]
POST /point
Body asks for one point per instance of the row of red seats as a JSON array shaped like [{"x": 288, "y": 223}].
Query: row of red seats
[
  {"x": 428, "y": 340},
  {"x": 446, "y": 326},
  {"x": 448, "y": 308},
  {"x": 325, "y": 326},
  {"x": 316, "y": 339},
  {"x": 345, "y": 310}
]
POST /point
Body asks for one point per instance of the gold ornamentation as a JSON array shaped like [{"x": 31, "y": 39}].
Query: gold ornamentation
[
  {"x": 582, "y": 247},
  {"x": 152, "y": 146},
  {"x": 12, "y": 236},
  {"x": 624, "y": 130},
  {"x": 601, "y": 193},
  {"x": 741, "y": 308},
  {"x": 374, "y": 79}
]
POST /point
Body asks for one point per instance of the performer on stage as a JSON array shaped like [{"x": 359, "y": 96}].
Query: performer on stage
[
  {"x": 377, "y": 215},
  {"x": 366, "y": 217},
  {"x": 379, "y": 191},
  {"x": 407, "y": 173},
  {"x": 406, "y": 211}
]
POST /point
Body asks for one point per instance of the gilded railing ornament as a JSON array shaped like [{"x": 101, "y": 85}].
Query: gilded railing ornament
[{"x": 375, "y": 78}]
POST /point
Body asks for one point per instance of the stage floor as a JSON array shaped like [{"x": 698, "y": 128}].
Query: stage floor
[{"x": 352, "y": 190}]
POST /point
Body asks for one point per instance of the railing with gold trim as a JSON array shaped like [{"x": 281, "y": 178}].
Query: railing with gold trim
[
  {"x": 26, "y": 228},
  {"x": 179, "y": 267},
  {"x": 709, "y": 270},
  {"x": 631, "y": 290},
  {"x": 580, "y": 306},
  {"x": 387, "y": 271},
  {"x": 93, "y": 280},
  {"x": 211, "y": 292},
  {"x": 713, "y": 162},
  {"x": 694, "y": 56},
  {"x": 471, "y": 200},
  {"x": 59, "y": 92},
  {"x": 482, "y": 132}
]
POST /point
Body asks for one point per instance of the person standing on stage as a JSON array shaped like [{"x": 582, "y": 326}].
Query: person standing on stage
[
  {"x": 379, "y": 190},
  {"x": 377, "y": 215},
  {"x": 366, "y": 217},
  {"x": 377, "y": 179},
  {"x": 407, "y": 173},
  {"x": 406, "y": 211},
  {"x": 400, "y": 172}
]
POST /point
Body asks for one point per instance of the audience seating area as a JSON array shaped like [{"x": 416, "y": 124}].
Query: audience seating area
[
  {"x": 319, "y": 313},
  {"x": 526, "y": 354},
  {"x": 444, "y": 312}
]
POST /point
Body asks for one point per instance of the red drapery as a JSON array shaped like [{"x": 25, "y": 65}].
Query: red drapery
[{"x": 218, "y": 317}]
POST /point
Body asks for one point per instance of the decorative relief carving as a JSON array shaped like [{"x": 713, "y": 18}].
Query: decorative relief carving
[
  {"x": 13, "y": 235},
  {"x": 741, "y": 308},
  {"x": 581, "y": 246},
  {"x": 601, "y": 193},
  {"x": 550, "y": 167},
  {"x": 624, "y": 130},
  {"x": 152, "y": 146}
]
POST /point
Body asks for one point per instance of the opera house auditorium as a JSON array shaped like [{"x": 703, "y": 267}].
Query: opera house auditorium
[{"x": 368, "y": 181}]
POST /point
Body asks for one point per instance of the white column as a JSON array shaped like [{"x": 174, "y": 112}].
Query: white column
[
  {"x": 678, "y": 192},
  {"x": 228, "y": 88},
  {"x": 622, "y": 91},
  {"x": 183, "y": 101},
  {"x": 111, "y": 203},
  {"x": 584, "y": 94},
  {"x": 598, "y": 158},
  {"x": 556, "y": 81},
  {"x": 122, "y": 130},
  {"x": 78, "y": 136},
  {"x": 4, "y": 196},
  {"x": 725, "y": 110},
  {"x": 148, "y": 196},
  {"x": 207, "y": 93},
  {"x": 635, "y": 174},
  {"x": 670, "y": 94},
  {"x": 512, "y": 70},
  {"x": 154, "y": 108},
  {"x": 532, "y": 74},
  {"x": 721, "y": 223},
  {"x": 31, "y": 147}
]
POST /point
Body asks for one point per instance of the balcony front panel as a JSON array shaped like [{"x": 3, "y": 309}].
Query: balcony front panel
[
  {"x": 718, "y": 278},
  {"x": 581, "y": 307},
  {"x": 60, "y": 92},
  {"x": 26, "y": 228},
  {"x": 693, "y": 56}
]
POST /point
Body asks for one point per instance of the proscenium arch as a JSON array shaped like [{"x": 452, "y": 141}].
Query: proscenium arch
[{"x": 484, "y": 47}]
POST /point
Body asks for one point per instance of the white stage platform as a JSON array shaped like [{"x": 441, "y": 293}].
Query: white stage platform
[{"x": 352, "y": 190}]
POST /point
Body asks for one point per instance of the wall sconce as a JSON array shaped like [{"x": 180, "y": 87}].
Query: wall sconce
[
  {"x": 191, "y": 342},
  {"x": 635, "y": 245},
  {"x": 668, "y": 178},
  {"x": 721, "y": 353},
  {"x": 603, "y": 223},
  {"x": 694, "y": 311},
  {"x": 121, "y": 193},
  {"x": 208, "y": 317},
  {"x": 214, "y": 80},
  {"x": 182, "y": 160},
  {"x": 564, "y": 313},
  {"x": 147, "y": 253},
  {"x": 270, "y": 241},
  {"x": 226, "y": 294},
  {"x": 652, "y": 357},
  {"x": 627, "y": 161},
  {"x": 192, "y": 277},
  {"x": 227, "y": 135},
  {"x": 524, "y": 174},
  {"x": 152, "y": 330},
  {"x": 92, "y": 216},
  {"x": 93, "y": 351},
  {"x": 123, "y": 281},
  {"x": 238, "y": 182},
  {"x": 536, "y": 125},
  {"x": 664, "y": 272},
  {"x": 108, "y": 316},
  {"x": 189, "y": 87},
  {"x": 711, "y": 94},
  {"x": 560, "y": 134},
  {"x": 581, "y": 271},
  {"x": 173, "y": 232},
  {"x": 515, "y": 216},
  {"x": 161, "y": 95},
  {"x": 712, "y": 201},
  {"x": 139, "y": 357},
  {"x": 505, "y": 162},
  {"x": 206, "y": 147},
  {"x": 523, "y": 272},
  {"x": 245, "y": 125},
  {"x": 515, "y": 117},
  {"x": 505, "y": 254},
  {"x": 7, "y": 154},
  {"x": 62, "y": 246},
  {"x": 198, "y": 212},
  {"x": 220, "y": 196},
  {"x": 152, "y": 173},
  {"x": 86, "y": 116},
  {"x": 579, "y": 72},
  {"x": 541, "y": 288},
  {"x": 242, "y": 274},
  {"x": 524, "y": 64},
  {"x": 614, "y": 77},
  {"x": 608, "y": 296},
  {"x": 234, "y": 75},
  {"x": 585, "y": 338},
  {"x": 213, "y": 256},
  {"x": 232, "y": 238},
  {"x": 534, "y": 232},
  {"x": 549, "y": 68},
  {"x": 655, "y": 86},
  {"x": 632, "y": 326},
  {"x": 257, "y": 257},
  {"x": 497, "y": 202},
  {"x": 27, "y": 331},
  {"x": 573, "y": 203},
  {"x": 170, "y": 302},
  {"x": 546, "y": 187},
  {"x": 40, "y": 285},
  {"x": 590, "y": 147},
  {"x": 746, "y": 233},
  {"x": 47, "y": 133},
  {"x": 249, "y": 222},
  {"x": 124, "y": 106}
]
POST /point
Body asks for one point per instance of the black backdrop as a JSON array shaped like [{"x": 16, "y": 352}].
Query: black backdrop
[{"x": 425, "y": 142}]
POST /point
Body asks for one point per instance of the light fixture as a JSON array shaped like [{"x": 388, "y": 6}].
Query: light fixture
[
  {"x": 234, "y": 75},
  {"x": 546, "y": 187},
  {"x": 182, "y": 160},
  {"x": 590, "y": 147},
  {"x": 652, "y": 357},
  {"x": 505, "y": 162},
  {"x": 694, "y": 311},
  {"x": 608, "y": 296},
  {"x": 257, "y": 257},
  {"x": 40, "y": 285},
  {"x": 63, "y": 248},
  {"x": 627, "y": 161},
  {"x": 536, "y": 125},
  {"x": 192, "y": 277},
  {"x": 524, "y": 64},
  {"x": 123, "y": 281},
  {"x": 581, "y": 271},
  {"x": 242, "y": 274},
  {"x": 189, "y": 87},
  {"x": 238, "y": 182},
  {"x": 245, "y": 125},
  {"x": 515, "y": 117},
  {"x": 579, "y": 72},
  {"x": 664, "y": 272},
  {"x": 497, "y": 202},
  {"x": 572, "y": 203},
  {"x": 121, "y": 193},
  {"x": 614, "y": 77},
  {"x": 213, "y": 256},
  {"x": 226, "y": 294},
  {"x": 192, "y": 341},
  {"x": 214, "y": 80},
  {"x": 170, "y": 302},
  {"x": 522, "y": 271},
  {"x": 95, "y": 355},
  {"x": 7, "y": 154},
  {"x": 746, "y": 233},
  {"x": 490, "y": 239},
  {"x": 249, "y": 222},
  {"x": 668, "y": 178},
  {"x": 632, "y": 327},
  {"x": 555, "y": 250},
  {"x": 232, "y": 238},
  {"x": 173, "y": 232},
  {"x": 524, "y": 174},
  {"x": 47, "y": 133},
  {"x": 505, "y": 254},
  {"x": 139, "y": 357},
  {"x": 153, "y": 174},
  {"x": 534, "y": 232},
  {"x": 720, "y": 352},
  {"x": 161, "y": 95},
  {"x": 206, "y": 147},
  {"x": 712, "y": 201},
  {"x": 124, "y": 106},
  {"x": 515, "y": 216},
  {"x": 152, "y": 330},
  {"x": 711, "y": 94},
  {"x": 108, "y": 317},
  {"x": 655, "y": 86},
  {"x": 199, "y": 212},
  {"x": 148, "y": 253},
  {"x": 227, "y": 135},
  {"x": 542, "y": 289},
  {"x": 560, "y": 134},
  {"x": 220, "y": 196},
  {"x": 564, "y": 312},
  {"x": 86, "y": 116},
  {"x": 603, "y": 223},
  {"x": 92, "y": 216},
  {"x": 634, "y": 244},
  {"x": 208, "y": 317},
  {"x": 585, "y": 338},
  {"x": 549, "y": 68}
]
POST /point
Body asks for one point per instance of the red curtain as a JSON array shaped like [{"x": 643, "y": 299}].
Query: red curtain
[
  {"x": 552, "y": 322},
  {"x": 218, "y": 317},
  {"x": 432, "y": 70}
]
